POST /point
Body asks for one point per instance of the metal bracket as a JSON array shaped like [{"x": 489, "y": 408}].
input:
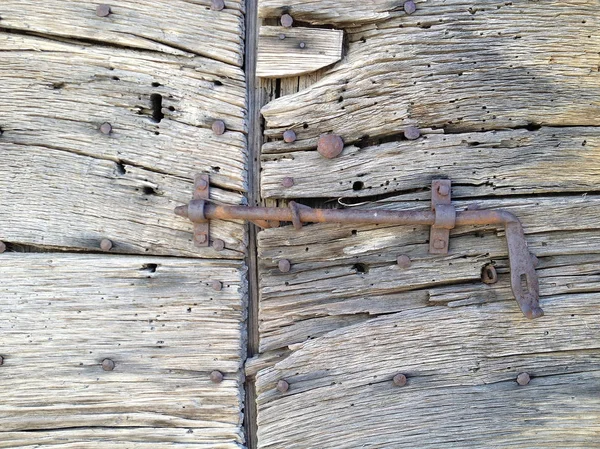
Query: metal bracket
[{"x": 441, "y": 218}]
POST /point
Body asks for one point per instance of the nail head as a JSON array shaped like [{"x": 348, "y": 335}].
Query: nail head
[
  {"x": 287, "y": 182},
  {"x": 399, "y": 380},
  {"x": 217, "y": 285},
  {"x": 218, "y": 245},
  {"x": 403, "y": 261},
  {"x": 108, "y": 365},
  {"x": 287, "y": 21},
  {"x": 282, "y": 36},
  {"x": 289, "y": 136},
  {"x": 302, "y": 45},
  {"x": 523, "y": 379},
  {"x": 216, "y": 377},
  {"x": 200, "y": 238},
  {"x": 330, "y": 145},
  {"x": 106, "y": 245},
  {"x": 106, "y": 128},
  {"x": 217, "y": 5},
  {"x": 412, "y": 133},
  {"x": 439, "y": 244},
  {"x": 410, "y": 7},
  {"x": 284, "y": 266},
  {"x": 443, "y": 190},
  {"x": 103, "y": 10},
  {"x": 201, "y": 184},
  {"x": 218, "y": 127},
  {"x": 283, "y": 386}
]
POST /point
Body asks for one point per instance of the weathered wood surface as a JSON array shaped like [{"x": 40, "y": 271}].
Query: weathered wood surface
[
  {"x": 158, "y": 319},
  {"x": 496, "y": 65},
  {"x": 176, "y": 27},
  {"x": 294, "y": 51},
  {"x": 461, "y": 366},
  {"x": 62, "y": 179}
]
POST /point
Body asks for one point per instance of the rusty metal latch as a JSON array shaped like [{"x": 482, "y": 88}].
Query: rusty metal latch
[{"x": 441, "y": 218}]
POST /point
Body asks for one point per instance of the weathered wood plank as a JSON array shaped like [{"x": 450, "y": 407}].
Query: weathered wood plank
[
  {"x": 480, "y": 164},
  {"x": 295, "y": 51},
  {"x": 344, "y": 274},
  {"x": 451, "y": 358},
  {"x": 176, "y": 27},
  {"x": 501, "y": 65},
  {"x": 158, "y": 319}
]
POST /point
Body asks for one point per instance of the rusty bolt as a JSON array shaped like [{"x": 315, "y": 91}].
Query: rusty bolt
[
  {"x": 106, "y": 245},
  {"x": 216, "y": 377},
  {"x": 216, "y": 285},
  {"x": 399, "y": 380},
  {"x": 403, "y": 261},
  {"x": 218, "y": 245},
  {"x": 2, "y": 247},
  {"x": 201, "y": 184},
  {"x": 439, "y": 244},
  {"x": 283, "y": 386},
  {"x": 489, "y": 275},
  {"x": 330, "y": 145},
  {"x": 412, "y": 133},
  {"x": 289, "y": 136},
  {"x": 217, "y": 5},
  {"x": 410, "y": 7},
  {"x": 108, "y": 365},
  {"x": 103, "y": 10},
  {"x": 106, "y": 128},
  {"x": 284, "y": 266},
  {"x": 287, "y": 182},
  {"x": 287, "y": 20},
  {"x": 302, "y": 45},
  {"x": 443, "y": 190},
  {"x": 523, "y": 379},
  {"x": 218, "y": 127},
  {"x": 201, "y": 238}
]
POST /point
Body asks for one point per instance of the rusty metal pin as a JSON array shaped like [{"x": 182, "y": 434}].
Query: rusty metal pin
[
  {"x": 2, "y": 247},
  {"x": 412, "y": 132},
  {"x": 330, "y": 145},
  {"x": 523, "y": 379},
  {"x": 489, "y": 275},
  {"x": 219, "y": 127},
  {"x": 218, "y": 245},
  {"x": 287, "y": 182},
  {"x": 108, "y": 365},
  {"x": 106, "y": 245},
  {"x": 217, "y": 5},
  {"x": 216, "y": 377},
  {"x": 403, "y": 261},
  {"x": 399, "y": 380},
  {"x": 283, "y": 386},
  {"x": 103, "y": 10},
  {"x": 106, "y": 128},
  {"x": 286, "y": 20},
  {"x": 410, "y": 7},
  {"x": 289, "y": 136},
  {"x": 284, "y": 266},
  {"x": 217, "y": 285}
]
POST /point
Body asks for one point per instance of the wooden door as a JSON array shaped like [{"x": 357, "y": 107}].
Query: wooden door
[
  {"x": 106, "y": 117},
  {"x": 506, "y": 97}
]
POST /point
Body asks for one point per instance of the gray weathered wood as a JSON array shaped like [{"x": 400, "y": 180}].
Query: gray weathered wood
[
  {"x": 176, "y": 27},
  {"x": 461, "y": 366},
  {"x": 294, "y": 51},
  {"x": 497, "y": 66},
  {"x": 158, "y": 319}
]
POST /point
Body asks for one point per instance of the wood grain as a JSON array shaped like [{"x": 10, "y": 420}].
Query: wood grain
[
  {"x": 461, "y": 367},
  {"x": 176, "y": 27},
  {"x": 284, "y": 52},
  {"x": 158, "y": 319},
  {"x": 496, "y": 66}
]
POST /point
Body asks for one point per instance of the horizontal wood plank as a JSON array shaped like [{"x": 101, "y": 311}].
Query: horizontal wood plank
[
  {"x": 499, "y": 65},
  {"x": 158, "y": 319},
  {"x": 461, "y": 367},
  {"x": 176, "y": 27},
  {"x": 294, "y": 51}
]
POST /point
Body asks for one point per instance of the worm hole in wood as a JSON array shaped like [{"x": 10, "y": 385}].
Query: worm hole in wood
[{"x": 156, "y": 101}]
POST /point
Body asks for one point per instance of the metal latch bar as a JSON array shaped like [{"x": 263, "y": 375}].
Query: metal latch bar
[{"x": 442, "y": 218}]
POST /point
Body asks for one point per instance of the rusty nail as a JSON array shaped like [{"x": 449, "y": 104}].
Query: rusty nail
[
  {"x": 284, "y": 266},
  {"x": 1, "y": 360},
  {"x": 2, "y": 247},
  {"x": 218, "y": 245},
  {"x": 283, "y": 386},
  {"x": 399, "y": 380},
  {"x": 289, "y": 136},
  {"x": 302, "y": 45},
  {"x": 439, "y": 244},
  {"x": 489, "y": 275},
  {"x": 287, "y": 182},
  {"x": 218, "y": 127},
  {"x": 103, "y": 10},
  {"x": 216, "y": 377},
  {"x": 108, "y": 365},
  {"x": 217, "y": 5},
  {"x": 410, "y": 7},
  {"x": 443, "y": 190},
  {"x": 523, "y": 379},
  {"x": 106, "y": 245},
  {"x": 217, "y": 285},
  {"x": 200, "y": 238},
  {"x": 287, "y": 20},
  {"x": 106, "y": 128},
  {"x": 201, "y": 184},
  {"x": 330, "y": 145},
  {"x": 412, "y": 133},
  {"x": 282, "y": 36},
  {"x": 403, "y": 261}
]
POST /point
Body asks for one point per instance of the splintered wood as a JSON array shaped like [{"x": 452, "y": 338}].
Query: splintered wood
[{"x": 161, "y": 323}]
